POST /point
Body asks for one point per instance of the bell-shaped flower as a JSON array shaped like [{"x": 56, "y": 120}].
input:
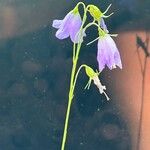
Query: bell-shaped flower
[
  {"x": 93, "y": 76},
  {"x": 69, "y": 26},
  {"x": 108, "y": 53}
]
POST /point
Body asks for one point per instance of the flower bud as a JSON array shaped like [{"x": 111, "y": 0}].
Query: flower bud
[{"x": 95, "y": 12}]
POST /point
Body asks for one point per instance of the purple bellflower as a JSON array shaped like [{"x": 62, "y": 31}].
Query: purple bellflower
[
  {"x": 108, "y": 53},
  {"x": 69, "y": 26}
]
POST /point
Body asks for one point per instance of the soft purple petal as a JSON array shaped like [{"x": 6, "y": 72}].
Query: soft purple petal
[
  {"x": 103, "y": 25},
  {"x": 101, "y": 62},
  {"x": 109, "y": 51},
  {"x": 62, "y": 34},
  {"x": 67, "y": 20},
  {"x": 63, "y": 31},
  {"x": 116, "y": 53},
  {"x": 116, "y": 56},
  {"x": 101, "y": 58},
  {"x": 105, "y": 55},
  {"x": 74, "y": 28},
  {"x": 57, "y": 23},
  {"x": 118, "y": 60},
  {"x": 79, "y": 36}
]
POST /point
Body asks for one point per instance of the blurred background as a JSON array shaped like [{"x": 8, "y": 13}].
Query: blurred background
[{"x": 35, "y": 73}]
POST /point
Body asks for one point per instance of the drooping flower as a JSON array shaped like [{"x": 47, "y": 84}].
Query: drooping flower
[
  {"x": 108, "y": 53},
  {"x": 94, "y": 76},
  {"x": 69, "y": 26}
]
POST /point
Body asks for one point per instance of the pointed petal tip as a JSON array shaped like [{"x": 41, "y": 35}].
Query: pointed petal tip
[
  {"x": 74, "y": 29},
  {"x": 101, "y": 69},
  {"x": 119, "y": 64}
]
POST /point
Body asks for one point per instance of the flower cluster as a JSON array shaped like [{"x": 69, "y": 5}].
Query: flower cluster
[{"x": 73, "y": 26}]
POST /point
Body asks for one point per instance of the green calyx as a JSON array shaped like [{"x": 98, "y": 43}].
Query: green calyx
[
  {"x": 75, "y": 10},
  {"x": 101, "y": 32},
  {"x": 95, "y": 12},
  {"x": 90, "y": 72}
]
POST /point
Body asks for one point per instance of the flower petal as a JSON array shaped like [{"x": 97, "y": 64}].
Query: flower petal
[
  {"x": 74, "y": 28},
  {"x": 101, "y": 58},
  {"x": 62, "y": 34},
  {"x": 67, "y": 20},
  {"x": 63, "y": 31},
  {"x": 118, "y": 60},
  {"x": 109, "y": 52},
  {"x": 101, "y": 87},
  {"x": 115, "y": 60},
  {"x": 57, "y": 23},
  {"x": 103, "y": 25}
]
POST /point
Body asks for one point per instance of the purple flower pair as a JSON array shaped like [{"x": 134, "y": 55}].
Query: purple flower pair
[{"x": 107, "y": 54}]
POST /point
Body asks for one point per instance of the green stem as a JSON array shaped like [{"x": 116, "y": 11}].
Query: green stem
[
  {"x": 75, "y": 80},
  {"x": 66, "y": 124},
  {"x": 71, "y": 91},
  {"x": 81, "y": 3},
  {"x": 74, "y": 51},
  {"x": 73, "y": 73},
  {"x": 90, "y": 24}
]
